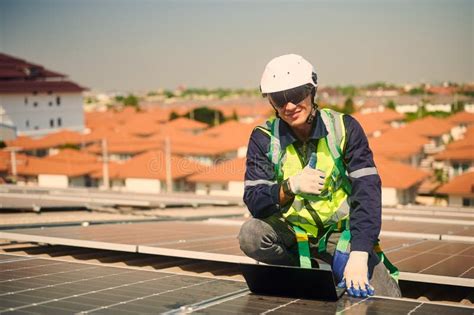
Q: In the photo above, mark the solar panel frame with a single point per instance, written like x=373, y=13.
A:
x=217, y=241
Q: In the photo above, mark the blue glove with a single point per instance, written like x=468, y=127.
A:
x=356, y=277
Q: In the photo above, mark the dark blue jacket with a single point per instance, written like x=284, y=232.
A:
x=262, y=196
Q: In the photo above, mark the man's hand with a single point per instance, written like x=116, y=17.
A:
x=356, y=275
x=309, y=180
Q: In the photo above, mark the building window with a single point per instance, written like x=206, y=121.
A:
x=58, y=100
x=35, y=104
x=26, y=100
x=467, y=202
x=27, y=123
x=60, y=122
x=50, y=103
x=51, y=123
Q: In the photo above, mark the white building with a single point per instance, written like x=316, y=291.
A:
x=400, y=182
x=459, y=190
x=224, y=179
x=36, y=101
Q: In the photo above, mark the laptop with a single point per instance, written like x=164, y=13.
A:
x=290, y=281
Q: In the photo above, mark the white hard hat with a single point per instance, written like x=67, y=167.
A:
x=287, y=72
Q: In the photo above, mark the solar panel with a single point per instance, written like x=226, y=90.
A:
x=217, y=241
x=257, y=304
x=49, y=286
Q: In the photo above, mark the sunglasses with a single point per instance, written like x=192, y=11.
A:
x=295, y=96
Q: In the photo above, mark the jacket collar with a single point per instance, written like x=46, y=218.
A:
x=287, y=136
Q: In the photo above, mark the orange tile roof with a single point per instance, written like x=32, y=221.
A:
x=74, y=156
x=459, y=185
x=259, y=110
x=125, y=146
x=379, y=121
x=442, y=90
x=184, y=143
x=114, y=170
x=461, y=117
x=140, y=124
x=185, y=124
x=397, y=144
x=460, y=150
x=463, y=154
x=387, y=116
x=36, y=166
x=232, y=170
x=51, y=140
x=230, y=135
x=152, y=165
x=466, y=142
x=398, y=175
x=429, y=127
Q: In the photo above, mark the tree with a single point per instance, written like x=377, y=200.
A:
x=349, y=90
x=130, y=100
x=391, y=104
x=173, y=115
x=207, y=115
x=234, y=115
x=458, y=106
x=348, y=106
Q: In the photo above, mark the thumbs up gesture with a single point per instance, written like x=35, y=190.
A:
x=309, y=180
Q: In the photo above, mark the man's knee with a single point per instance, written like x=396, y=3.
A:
x=255, y=234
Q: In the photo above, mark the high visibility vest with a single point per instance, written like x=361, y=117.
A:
x=315, y=214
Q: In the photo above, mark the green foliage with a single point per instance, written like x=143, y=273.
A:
x=234, y=116
x=349, y=90
x=119, y=98
x=173, y=115
x=416, y=91
x=131, y=100
x=422, y=112
x=219, y=93
x=391, y=104
x=348, y=106
x=458, y=106
x=380, y=85
x=468, y=93
x=151, y=93
x=168, y=94
x=69, y=146
x=207, y=115
x=440, y=176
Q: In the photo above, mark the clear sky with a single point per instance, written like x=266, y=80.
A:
x=141, y=45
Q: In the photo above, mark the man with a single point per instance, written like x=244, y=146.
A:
x=311, y=172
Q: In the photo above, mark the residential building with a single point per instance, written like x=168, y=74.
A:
x=147, y=173
x=35, y=101
x=458, y=157
x=224, y=179
x=460, y=190
x=400, y=182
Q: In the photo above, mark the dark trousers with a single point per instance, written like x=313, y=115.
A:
x=273, y=241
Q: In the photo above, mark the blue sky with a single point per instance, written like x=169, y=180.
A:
x=142, y=45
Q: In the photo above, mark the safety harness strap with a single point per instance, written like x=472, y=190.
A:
x=394, y=273
x=303, y=247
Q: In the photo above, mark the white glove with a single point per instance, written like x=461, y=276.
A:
x=308, y=181
x=356, y=274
